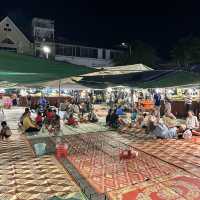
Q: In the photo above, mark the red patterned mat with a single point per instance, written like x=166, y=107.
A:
x=96, y=157
x=177, y=186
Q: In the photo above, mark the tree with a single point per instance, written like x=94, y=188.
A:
x=186, y=52
x=140, y=53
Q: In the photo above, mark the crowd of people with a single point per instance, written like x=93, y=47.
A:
x=140, y=118
x=49, y=118
x=150, y=121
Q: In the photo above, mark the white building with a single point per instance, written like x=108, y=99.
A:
x=88, y=56
x=12, y=38
x=43, y=34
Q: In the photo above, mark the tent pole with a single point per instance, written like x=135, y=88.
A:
x=59, y=91
x=59, y=87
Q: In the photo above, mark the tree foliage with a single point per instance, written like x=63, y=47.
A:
x=186, y=52
x=140, y=53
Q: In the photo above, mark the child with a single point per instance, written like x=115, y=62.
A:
x=92, y=117
x=5, y=131
x=134, y=116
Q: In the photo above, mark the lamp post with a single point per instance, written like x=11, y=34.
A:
x=128, y=46
x=47, y=51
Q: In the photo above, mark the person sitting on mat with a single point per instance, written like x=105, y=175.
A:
x=55, y=121
x=22, y=117
x=134, y=116
x=72, y=121
x=161, y=131
x=28, y=124
x=49, y=117
x=114, y=120
x=119, y=111
x=92, y=117
x=192, y=121
x=5, y=131
x=39, y=120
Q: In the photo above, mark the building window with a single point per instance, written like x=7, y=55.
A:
x=7, y=41
x=7, y=29
x=7, y=25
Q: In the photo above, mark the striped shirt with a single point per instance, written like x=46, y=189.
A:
x=188, y=100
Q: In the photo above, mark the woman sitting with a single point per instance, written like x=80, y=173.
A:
x=72, y=121
x=39, y=120
x=92, y=117
x=114, y=120
x=161, y=131
x=55, y=123
x=119, y=111
x=49, y=117
x=22, y=117
x=29, y=125
x=169, y=120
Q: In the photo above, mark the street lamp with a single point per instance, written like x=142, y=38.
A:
x=46, y=50
x=128, y=46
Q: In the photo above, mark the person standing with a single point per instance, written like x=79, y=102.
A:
x=42, y=102
x=188, y=102
x=29, y=100
x=157, y=104
x=168, y=107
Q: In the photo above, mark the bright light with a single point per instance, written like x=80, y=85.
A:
x=127, y=90
x=46, y=49
x=123, y=44
x=190, y=91
x=109, y=89
x=23, y=92
x=157, y=90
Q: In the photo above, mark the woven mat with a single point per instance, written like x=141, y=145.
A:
x=22, y=176
x=179, y=185
x=37, y=178
x=96, y=157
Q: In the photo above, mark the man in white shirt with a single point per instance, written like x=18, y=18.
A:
x=192, y=122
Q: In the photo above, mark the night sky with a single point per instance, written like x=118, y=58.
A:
x=107, y=23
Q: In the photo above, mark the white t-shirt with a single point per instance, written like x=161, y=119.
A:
x=192, y=122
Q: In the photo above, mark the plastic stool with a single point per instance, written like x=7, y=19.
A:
x=61, y=151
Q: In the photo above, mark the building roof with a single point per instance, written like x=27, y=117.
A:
x=23, y=24
x=145, y=79
x=126, y=69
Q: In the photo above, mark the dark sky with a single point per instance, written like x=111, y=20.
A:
x=107, y=23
